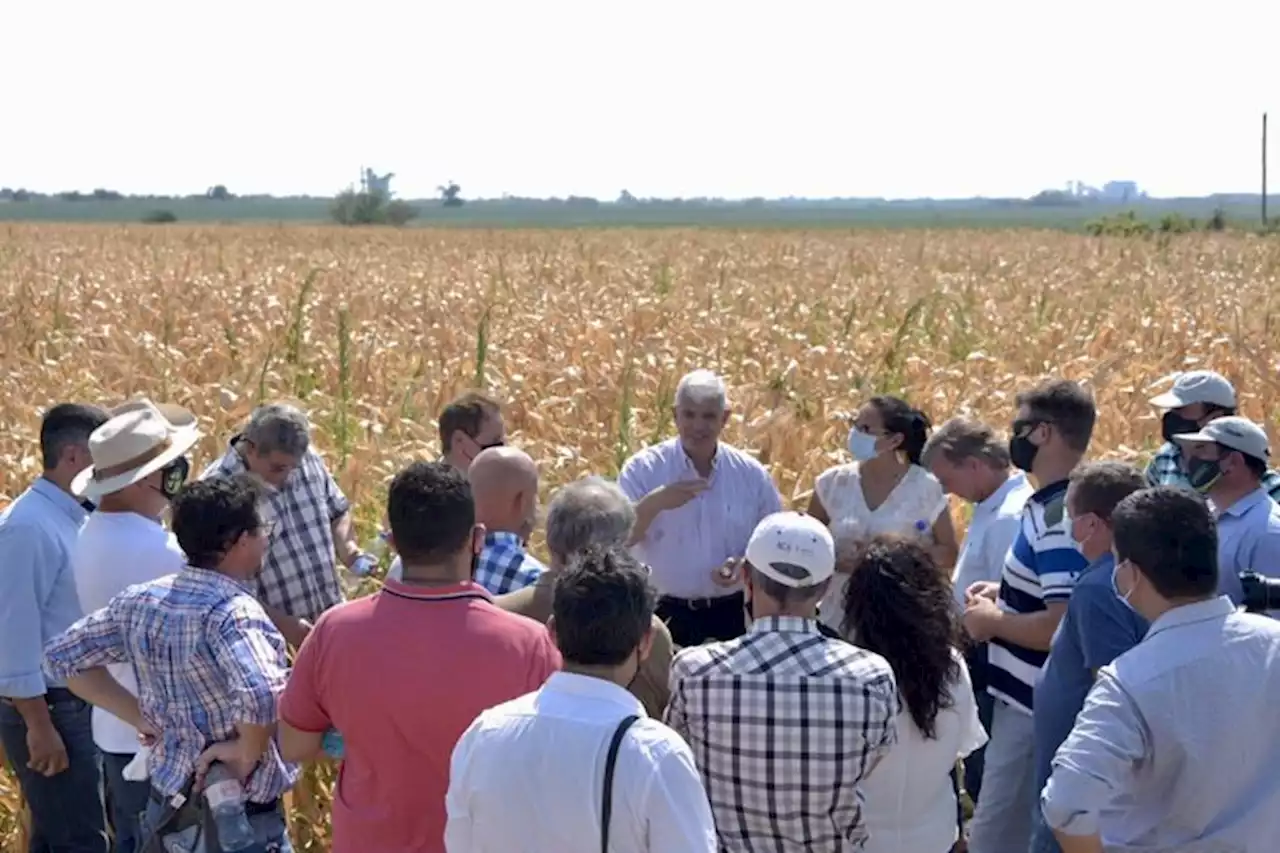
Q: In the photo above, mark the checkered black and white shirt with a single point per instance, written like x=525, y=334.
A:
x=784, y=723
x=299, y=575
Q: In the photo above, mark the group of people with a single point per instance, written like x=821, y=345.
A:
x=691, y=668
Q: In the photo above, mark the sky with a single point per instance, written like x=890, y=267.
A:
x=664, y=98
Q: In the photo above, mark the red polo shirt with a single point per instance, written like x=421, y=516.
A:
x=401, y=674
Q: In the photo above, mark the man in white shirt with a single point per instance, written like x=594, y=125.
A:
x=1179, y=740
x=577, y=766
x=698, y=500
x=972, y=463
x=139, y=463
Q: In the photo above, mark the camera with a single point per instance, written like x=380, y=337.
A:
x=1261, y=593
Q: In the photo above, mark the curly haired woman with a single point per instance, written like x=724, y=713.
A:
x=898, y=605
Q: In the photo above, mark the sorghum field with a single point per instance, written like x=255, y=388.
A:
x=585, y=334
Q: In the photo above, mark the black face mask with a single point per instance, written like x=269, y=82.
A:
x=1203, y=474
x=1022, y=451
x=173, y=476
x=1175, y=424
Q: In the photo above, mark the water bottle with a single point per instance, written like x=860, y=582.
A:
x=332, y=743
x=225, y=796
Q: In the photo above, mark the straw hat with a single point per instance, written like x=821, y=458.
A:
x=139, y=439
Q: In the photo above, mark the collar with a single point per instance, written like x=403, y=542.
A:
x=1190, y=614
x=1244, y=504
x=1105, y=563
x=452, y=592
x=784, y=625
x=504, y=538
x=215, y=578
x=688, y=460
x=1050, y=491
x=50, y=491
x=992, y=501
x=589, y=687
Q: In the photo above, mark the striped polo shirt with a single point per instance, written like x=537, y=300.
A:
x=1041, y=568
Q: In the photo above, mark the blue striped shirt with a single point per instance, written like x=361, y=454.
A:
x=1040, y=569
x=206, y=658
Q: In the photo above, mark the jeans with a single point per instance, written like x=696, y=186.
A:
x=67, y=813
x=973, y=762
x=128, y=800
x=1002, y=821
x=271, y=829
x=1042, y=837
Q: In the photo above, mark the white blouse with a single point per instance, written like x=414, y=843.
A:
x=909, y=510
x=908, y=802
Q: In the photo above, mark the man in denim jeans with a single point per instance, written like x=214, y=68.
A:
x=210, y=664
x=46, y=729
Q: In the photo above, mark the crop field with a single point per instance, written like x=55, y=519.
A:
x=585, y=334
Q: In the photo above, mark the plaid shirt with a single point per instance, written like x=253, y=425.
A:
x=206, y=658
x=299, y=575
x=1165, y=469
x=504, y=565
x=784, y=723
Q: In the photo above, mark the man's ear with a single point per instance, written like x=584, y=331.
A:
x=646, y=642
x=477, y=538
x=724, y=416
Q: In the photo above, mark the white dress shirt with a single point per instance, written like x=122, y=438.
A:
x=683, y=546
x=908, y=800
x=116, y=550
x=990, y=534
x=1178, y=745
x=529, y=775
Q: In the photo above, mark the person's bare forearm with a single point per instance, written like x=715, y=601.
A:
x=1028, y=630
x=1079, y=843
x=255, y=738
x=645, y=514
x=295, y=630
x=34, y=711
x=97, y=687
x=344, y=539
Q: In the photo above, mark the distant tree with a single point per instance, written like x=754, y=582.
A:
x=72, y=195
x=158, y=217
x=399, y=212
x=450, y=195
x=1053, y=198
x=625, y=197
x=369, y=208
x=106, y=195
x=21, y=194
x=218, y=192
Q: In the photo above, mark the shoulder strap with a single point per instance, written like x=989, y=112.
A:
x=610, y=763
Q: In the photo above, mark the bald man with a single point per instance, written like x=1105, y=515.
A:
x=504, y=486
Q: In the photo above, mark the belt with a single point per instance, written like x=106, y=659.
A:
x=250, y=807
x=51, y=695
x=705, y=603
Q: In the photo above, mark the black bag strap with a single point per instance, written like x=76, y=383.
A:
x=610, y=764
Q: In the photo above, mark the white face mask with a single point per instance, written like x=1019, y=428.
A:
x=862, y=445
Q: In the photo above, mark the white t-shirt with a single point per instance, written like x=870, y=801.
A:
x=908, y=802
x=116, y=550
x=909, y=510
x=991, y=532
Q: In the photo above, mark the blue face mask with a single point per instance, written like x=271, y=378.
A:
x=1115, y=586
x=862, y=445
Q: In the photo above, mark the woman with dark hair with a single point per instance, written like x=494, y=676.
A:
x=884, y=490
x=898, y=605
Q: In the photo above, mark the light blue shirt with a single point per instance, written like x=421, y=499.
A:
x=38, y=597
x=1248, y=538
x=1178, y=743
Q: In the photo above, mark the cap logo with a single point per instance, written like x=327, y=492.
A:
x=791, y=570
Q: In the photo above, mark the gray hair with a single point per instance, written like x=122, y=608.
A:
x=960, y=439
x=592, y=511
x=702, y=386
x=279, y=428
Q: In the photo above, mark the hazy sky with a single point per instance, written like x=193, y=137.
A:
x=679, y=98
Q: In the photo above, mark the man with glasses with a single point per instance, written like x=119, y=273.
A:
x=1018, y=616
x=139, y=464
x=210, y=664
x=312, y=517
x=470, y=424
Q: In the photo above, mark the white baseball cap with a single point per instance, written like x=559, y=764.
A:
x=1197, y=386
x=1234, y=432
x=793, y=549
